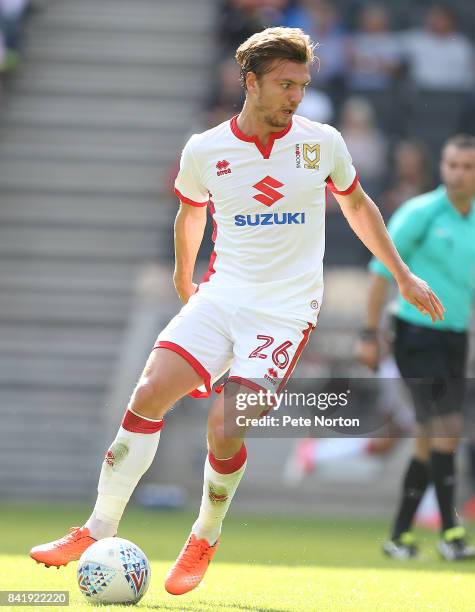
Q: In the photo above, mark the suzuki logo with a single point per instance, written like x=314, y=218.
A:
x=269, y=193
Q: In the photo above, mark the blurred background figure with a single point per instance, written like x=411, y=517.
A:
x=317, y=106
x=12, y=13
x=239, y=19
x=226, y=96
x=374, y=51
x=322, y=21
x=411, y=175
x=440, y=57
x=366, y=142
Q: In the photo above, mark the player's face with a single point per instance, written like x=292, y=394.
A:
x=276, y=95
x=458, y=171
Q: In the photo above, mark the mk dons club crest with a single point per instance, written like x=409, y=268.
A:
x=310, y=154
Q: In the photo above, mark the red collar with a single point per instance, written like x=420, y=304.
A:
x=265, y=150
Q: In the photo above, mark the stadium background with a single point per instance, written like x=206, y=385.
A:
x=98, y=98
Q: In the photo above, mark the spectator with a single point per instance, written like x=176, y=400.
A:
x=317, y=106
x=374, y=51
x=439, y=56
x=411, y=176
x=322, y=22
x=366, y=143
x=239, y=19
x=227, y=95
x=11, y=18
x=467, y=114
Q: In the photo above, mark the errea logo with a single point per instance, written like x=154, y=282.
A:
x=222, y=167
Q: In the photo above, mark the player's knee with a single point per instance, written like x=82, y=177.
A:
x=216, y=426
x=223, y=440
x=145, y=399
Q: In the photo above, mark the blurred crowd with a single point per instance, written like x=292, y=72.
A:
x=396, y=83
x=12, y=16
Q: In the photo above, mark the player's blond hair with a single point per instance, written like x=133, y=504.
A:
x=257, y=52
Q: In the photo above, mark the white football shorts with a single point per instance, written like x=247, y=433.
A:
x=258, y=347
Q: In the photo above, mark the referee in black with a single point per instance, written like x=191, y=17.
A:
x=435, y=235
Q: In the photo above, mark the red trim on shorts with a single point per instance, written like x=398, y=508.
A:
x=137, y=424
x=212, y=259
x=228, y=466
x=351, y=188
x=254, y=387
x=246, y=383
x=188, y=201
x=298, y=352
x=264, y=150
x=195, y=364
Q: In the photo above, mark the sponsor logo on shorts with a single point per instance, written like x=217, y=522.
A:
x=283, y=218
x=272, y=375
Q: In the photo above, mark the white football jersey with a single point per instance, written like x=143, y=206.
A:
x=268, y=208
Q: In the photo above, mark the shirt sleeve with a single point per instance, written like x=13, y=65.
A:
x=343, y=178
x=188, y=184
x=407, y=228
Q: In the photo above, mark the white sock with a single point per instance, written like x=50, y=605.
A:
x=128, y=458
x=218, y=491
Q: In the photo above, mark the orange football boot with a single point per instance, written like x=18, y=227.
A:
x=66, y=549
x=191, y=566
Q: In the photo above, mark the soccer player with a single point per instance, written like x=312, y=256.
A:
x=263, y=175
x=435, y=235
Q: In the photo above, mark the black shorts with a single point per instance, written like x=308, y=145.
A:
x=432, y=363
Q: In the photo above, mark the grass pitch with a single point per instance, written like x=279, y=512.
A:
x=264, y=563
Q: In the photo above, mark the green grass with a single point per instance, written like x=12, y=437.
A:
x=264, y=563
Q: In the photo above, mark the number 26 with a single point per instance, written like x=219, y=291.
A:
x=280, y=355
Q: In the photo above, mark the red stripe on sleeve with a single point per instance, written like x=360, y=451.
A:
x=188, y=201
x=351, y=188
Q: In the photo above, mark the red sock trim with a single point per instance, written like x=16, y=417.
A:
x=136, y=424
x=228, y=466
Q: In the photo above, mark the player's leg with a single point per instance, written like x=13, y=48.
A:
x=469, y=506
x=224, y=464
x=446, y=431
x=166, y=378
x=413, y=354
x=414, y=485
x=453, y=543
x=226, y=460
x=223, y=470
x=183, y=358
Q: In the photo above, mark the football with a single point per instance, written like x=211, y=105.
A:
x=113, y=571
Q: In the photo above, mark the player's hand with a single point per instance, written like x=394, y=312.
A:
x=185, y=290
x=368, y=352
x=418, y=293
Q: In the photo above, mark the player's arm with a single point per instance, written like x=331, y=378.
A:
x=190, y=221
x=190, y=225
x=368, y=348
x=366, y=221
